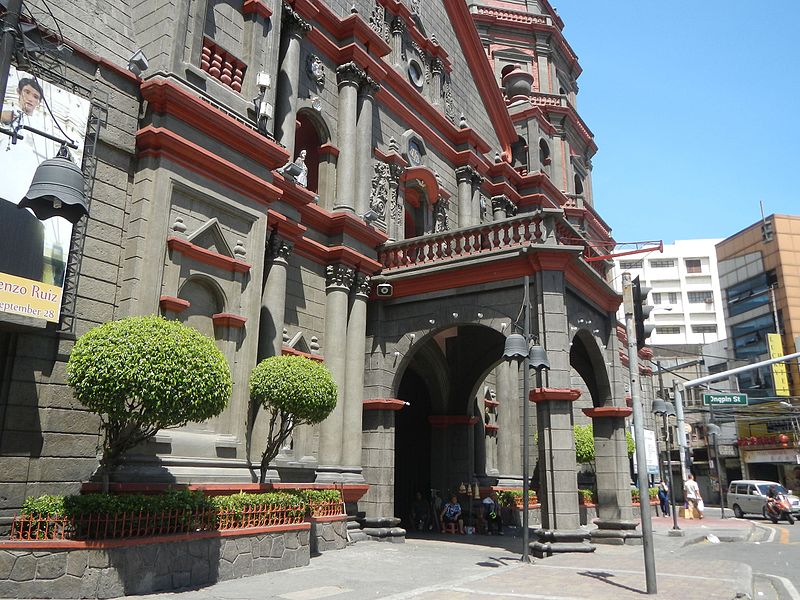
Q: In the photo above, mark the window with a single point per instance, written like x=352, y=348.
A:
x=668, y=330
x=748, y=294
x=750, y=337
x=657, y=297
x=704, y=329
x=693, y=265
x=630, y=264
x=663, y=263
x=700, y=297
x=673, y=297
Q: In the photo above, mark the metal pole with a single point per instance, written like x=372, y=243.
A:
x=661, y=395
x=526, y=392
x=681, y=427
x=7, y=44
x=638, y=434
x=669, y=473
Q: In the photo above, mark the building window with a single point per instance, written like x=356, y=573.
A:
x=693, y=265
x=748, y=294
x=673, y=297
x=630, y=264
x=662, y=263
x=657, y=297
x=668, y=330
x=750, y=337
x=700, y=297
x=704, y=329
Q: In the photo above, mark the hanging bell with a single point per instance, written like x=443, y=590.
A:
x=516, y=347
x=538, y=358
x=57, y=191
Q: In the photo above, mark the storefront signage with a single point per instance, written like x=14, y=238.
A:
x=775, y=345
x=710, y=399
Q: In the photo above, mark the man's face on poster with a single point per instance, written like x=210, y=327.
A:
x=29, y=99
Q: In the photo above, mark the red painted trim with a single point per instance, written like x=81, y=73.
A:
x=485, y=80
x=335, y=224
x=447, y=420
x=326, y=255
x=331, y=519
x=607, y=412
x=645, y=353
x=208, y=257
x=258, y=7
x=353, y=26
x=167, y=97
x=228, y=320
x=288, y=350
x=384, y=404
x=424, y=174
x=328, y=149
x=549, y=394
x=401, y=10
x=393, y=157
x=492, y=428
x=144, y=541
x=286, y=228
x=490, y=403
x=159, y=142
x=173, y=304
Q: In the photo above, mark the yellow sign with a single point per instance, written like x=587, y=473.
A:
x=778, y=369
x=29, y=298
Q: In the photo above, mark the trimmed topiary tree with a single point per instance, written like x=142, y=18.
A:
x=143, y=374
x=296, y=391
x=584, y=444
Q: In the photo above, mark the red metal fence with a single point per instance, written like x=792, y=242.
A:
x=143, y=524
x=332, y=508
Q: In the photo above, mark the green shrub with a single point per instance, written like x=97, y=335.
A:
x=587, y=495
x=319, y=496
x=651, y=492
x=143, y=374
x=295, y=390
x=584, y=443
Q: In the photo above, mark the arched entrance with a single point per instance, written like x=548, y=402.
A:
x=439, y=436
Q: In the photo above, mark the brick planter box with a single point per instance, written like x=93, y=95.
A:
x=109, y=569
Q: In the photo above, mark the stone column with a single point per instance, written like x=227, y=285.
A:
x=349, y=77
x=398, y=28
x=559, y=167
x=354, y=379
x=289, y=78
x=366, y=100
x=339, y=280
x=508, y=439
x=464, y=176
x=543, y=64
x=437, y=71
x=611, y=462
x=500, y=207
x=273, y=298
x=476, y=198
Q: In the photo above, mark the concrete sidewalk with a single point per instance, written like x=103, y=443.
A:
x=455, y=567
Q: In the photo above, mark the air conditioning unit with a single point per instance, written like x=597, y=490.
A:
x=709, y=301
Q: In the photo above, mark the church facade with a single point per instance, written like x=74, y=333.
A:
x=366, y=183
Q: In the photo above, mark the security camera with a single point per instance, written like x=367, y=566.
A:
x=384, y=290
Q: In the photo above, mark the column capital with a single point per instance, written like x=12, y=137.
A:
x=293, y=22
x=437, y=66
x=362, y=285
x=338, y=277
x=398, y=26
x=278, y=249
x=504, y=203
x=369, y=87
x=466, y=173
x=350, y=73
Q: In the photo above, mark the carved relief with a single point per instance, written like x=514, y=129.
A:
x=350, y=72
x=293, y=21
x=315, y=69
x=416, y=8
x=441, y=218
x=362, y=284
x=278, y=249
x=449, y=104
x=385, y=186
x=377, y=21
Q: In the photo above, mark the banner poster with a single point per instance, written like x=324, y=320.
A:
x=779, y=376
x=33, y=253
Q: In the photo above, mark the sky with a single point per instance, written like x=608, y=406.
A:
x=694, y=107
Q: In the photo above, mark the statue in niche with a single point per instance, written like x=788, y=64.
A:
x=440, y=216
x=300, y=162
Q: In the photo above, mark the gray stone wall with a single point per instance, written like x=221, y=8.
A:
x=147, y=568
x=378, y=462
x=327, y=535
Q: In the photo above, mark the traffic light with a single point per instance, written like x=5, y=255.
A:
x=641, y=310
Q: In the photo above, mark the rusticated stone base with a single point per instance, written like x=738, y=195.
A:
x=125, y=567
x=328, y=533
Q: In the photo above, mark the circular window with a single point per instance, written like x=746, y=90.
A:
x=414, y=153
x=415, y=72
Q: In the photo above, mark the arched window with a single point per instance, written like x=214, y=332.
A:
x=205, y=301
x=307, y=138
x=578, y=184
x=544, y=156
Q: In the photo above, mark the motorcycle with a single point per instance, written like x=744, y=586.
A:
x=778, y=508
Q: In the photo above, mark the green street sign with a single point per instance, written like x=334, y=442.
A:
x=724, y=399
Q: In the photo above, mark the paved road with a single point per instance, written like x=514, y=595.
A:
x=776, y=557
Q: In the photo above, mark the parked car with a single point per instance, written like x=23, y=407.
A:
x=749, y=496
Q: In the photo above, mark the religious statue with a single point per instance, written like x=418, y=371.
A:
x=300, y=161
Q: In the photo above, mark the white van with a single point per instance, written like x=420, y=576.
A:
x=748, y=496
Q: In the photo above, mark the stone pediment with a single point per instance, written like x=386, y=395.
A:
x=210, y=237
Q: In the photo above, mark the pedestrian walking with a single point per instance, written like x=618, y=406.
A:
x=693, y=497
x=663, y=497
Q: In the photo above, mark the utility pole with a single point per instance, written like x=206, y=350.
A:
x=680, y=425
x=8, y=44
x=638, y=433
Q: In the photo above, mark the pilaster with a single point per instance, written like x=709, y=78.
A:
x=349, y=77
x=288, y=77
x=366, y=101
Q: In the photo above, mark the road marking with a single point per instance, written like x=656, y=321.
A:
x=784, y=536
x=632, y=572
x=772, y=531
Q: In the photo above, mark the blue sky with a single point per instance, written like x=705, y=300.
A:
x=694, y=107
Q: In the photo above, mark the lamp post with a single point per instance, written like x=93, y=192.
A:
x=518, y=347
x=665, y=410
x=714, y=430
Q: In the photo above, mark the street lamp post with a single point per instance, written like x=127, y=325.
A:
x=665, y=410
x=518, y=347
x=714, y=430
